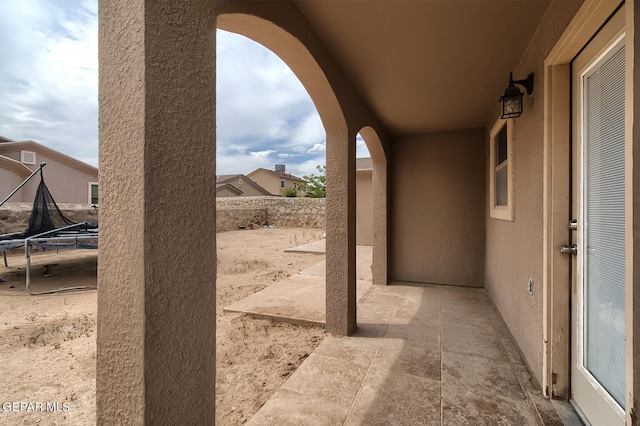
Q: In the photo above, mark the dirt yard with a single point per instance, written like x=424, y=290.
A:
x=48, y=342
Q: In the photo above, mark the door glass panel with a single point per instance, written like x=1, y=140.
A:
x=604, y=227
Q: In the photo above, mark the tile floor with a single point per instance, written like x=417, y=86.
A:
x=422, y=355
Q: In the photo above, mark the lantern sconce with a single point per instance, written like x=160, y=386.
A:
x=512, y=99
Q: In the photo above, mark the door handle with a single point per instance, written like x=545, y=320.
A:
x=572, y=249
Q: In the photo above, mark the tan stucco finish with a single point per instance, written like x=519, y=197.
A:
x=364, y=208
x=67, y=178
x=437, y=208
x=156, y=297
x=515, y=249
x=271, y=181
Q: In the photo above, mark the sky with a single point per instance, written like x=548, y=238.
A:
x=49, y=90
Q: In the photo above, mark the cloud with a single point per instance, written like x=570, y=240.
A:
x=361, y=147
x=318, y=148
x=262, y=107
x=49, y=82
x=49, y=74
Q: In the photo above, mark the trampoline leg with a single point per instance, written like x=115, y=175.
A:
x=27, y=252
x=4, y=256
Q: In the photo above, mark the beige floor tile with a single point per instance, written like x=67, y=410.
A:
x=486, y=374
x=327, y=379
x=464, y=342
x=417, y=335
x=400, y=357
x=357, y=350
x=417, y=315
x=287, y=408
x=388, y=398
x=464, y=307
x=451, y=324
x=466, y=405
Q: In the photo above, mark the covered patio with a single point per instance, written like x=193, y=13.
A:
x=471, y=207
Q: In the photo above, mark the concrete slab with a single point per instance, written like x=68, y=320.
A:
x=314, y=247
x=363, y=265
x=301, y=298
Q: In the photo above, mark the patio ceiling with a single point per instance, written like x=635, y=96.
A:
x=426, y=65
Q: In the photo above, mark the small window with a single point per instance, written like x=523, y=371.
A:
x=93, y=193
x=282, y=183
x=28, y=157
x=501, y=170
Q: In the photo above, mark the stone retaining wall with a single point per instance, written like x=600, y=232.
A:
x=280, y=211
x=14, y=217
x=233, y=213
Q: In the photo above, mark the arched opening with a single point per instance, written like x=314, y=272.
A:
x=264, y=114
x=158, y=86
x=266, y=124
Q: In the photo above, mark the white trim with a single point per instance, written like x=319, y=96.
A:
x=90, y=192
x=28, y=157
x=557, y=101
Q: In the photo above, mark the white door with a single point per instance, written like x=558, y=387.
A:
x=598, y=203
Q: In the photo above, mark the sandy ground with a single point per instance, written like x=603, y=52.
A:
x=48, y=342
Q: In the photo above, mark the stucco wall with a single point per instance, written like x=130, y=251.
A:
x=514, y=250
x=67, y=185
x=8, y=182
x=437, y=208
x=364, y=208
x=271, y=182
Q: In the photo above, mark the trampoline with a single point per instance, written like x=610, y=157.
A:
x=48, y=228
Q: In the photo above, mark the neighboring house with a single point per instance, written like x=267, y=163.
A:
x=539, y=210
x=237, y=186
x=276, y=181
x=68, y=179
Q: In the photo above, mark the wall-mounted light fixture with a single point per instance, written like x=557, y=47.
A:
x=512, y=99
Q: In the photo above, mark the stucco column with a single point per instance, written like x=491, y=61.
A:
x=379, y=265
x=341, y=233
x=157, y=267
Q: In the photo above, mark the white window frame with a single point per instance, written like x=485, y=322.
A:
x=90, y=194
x=502, y=212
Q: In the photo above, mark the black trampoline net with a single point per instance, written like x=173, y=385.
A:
x=45, y=215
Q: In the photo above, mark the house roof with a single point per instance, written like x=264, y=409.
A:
x=228, y=186
x=428, y=66
x=279, y=175
x=222, y=180
x=8, y=146
x=15, y=166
